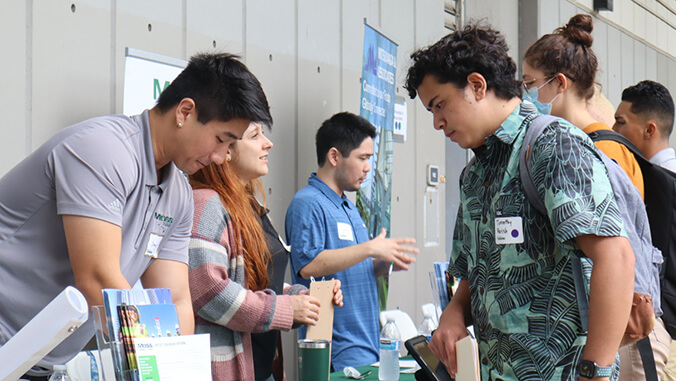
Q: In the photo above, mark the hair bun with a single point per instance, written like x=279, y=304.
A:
x=579, y=29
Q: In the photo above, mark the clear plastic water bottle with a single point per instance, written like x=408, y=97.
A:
x=427, y=326
x=390, y=344
x=59, y=374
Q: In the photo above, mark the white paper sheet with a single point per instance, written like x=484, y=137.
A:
x=176, y=358
x=61, y=317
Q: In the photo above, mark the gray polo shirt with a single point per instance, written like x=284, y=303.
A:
x=102, y=168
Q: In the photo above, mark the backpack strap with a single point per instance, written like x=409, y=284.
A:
x=646, y=352
x=537, y=126
x=535, y=129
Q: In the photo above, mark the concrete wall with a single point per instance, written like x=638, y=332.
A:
x=64, y=62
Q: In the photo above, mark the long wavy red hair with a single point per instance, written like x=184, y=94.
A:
x=240, y=202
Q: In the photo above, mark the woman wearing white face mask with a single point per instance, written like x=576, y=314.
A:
x=558, y=77
x=237, y=267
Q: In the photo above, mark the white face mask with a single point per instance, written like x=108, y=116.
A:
x=532, y=96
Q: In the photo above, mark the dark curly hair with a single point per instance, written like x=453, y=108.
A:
x=474, y=49
x=654, y=100
x=568, y=51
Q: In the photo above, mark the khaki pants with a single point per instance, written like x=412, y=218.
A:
x=671, y=364
x=631, y=366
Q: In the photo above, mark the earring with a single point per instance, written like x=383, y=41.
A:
x=180, y=125
x=228, y=158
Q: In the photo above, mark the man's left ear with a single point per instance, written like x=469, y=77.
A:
x=183, y=109
x=650, y=130
x=478, y=86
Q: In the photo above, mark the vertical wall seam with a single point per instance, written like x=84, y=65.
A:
x=28, y=111
x=184, y=30
x=416, y=208
x=244, y=34
x=341, y=88
x=295, y=130
x=113, y=57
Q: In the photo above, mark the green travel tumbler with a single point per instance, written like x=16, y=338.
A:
x=313, y=360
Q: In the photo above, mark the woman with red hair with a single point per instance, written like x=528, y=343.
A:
x=237, y=267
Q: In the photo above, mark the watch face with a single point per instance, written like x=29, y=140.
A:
x=587, y=369
x=590, y=369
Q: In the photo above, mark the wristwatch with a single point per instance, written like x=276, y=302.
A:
x=590, y=369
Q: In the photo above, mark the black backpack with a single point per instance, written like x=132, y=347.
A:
x=660, y=198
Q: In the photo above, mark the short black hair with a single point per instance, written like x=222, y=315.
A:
x=222, y=87
x=654, y=100
x=345, y=131
x=474, y=49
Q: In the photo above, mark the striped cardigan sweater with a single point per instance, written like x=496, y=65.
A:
x=224, y=306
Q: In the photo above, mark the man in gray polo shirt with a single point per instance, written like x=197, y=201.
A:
x=104, y=203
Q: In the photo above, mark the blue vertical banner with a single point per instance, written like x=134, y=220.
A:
x=379, y=67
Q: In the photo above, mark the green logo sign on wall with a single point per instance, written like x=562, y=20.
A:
x=157, y=89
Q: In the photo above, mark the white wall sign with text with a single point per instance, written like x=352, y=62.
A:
x=145, y=76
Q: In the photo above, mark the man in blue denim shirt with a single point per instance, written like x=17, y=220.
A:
x=329, y=238
x=517, y=286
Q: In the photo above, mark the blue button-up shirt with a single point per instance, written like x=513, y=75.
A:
x=319, y=219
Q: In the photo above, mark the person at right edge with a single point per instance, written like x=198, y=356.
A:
x=559, y=70
x=520, y=296
x=646, y=117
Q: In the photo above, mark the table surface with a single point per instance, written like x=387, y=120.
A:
x=374, y=373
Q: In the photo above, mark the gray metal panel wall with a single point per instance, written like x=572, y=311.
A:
x=60, y=37
x=15, y=21
x=67, y=64
x=271, y=56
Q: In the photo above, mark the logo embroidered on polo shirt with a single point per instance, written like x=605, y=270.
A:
x=116, y=205
x=164, y=220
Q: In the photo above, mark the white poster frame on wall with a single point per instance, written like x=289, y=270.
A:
x=146, y=74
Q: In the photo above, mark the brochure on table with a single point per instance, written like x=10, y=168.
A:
x=174, y=358
x=148, y=345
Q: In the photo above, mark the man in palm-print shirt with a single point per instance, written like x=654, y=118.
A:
x=517, y=286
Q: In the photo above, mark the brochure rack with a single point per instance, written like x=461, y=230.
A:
x=111, y=344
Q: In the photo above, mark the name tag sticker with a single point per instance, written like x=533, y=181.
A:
x=345, y=232
x=508, y=230
x=153, y=243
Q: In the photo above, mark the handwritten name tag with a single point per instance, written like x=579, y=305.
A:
x=508, y=230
